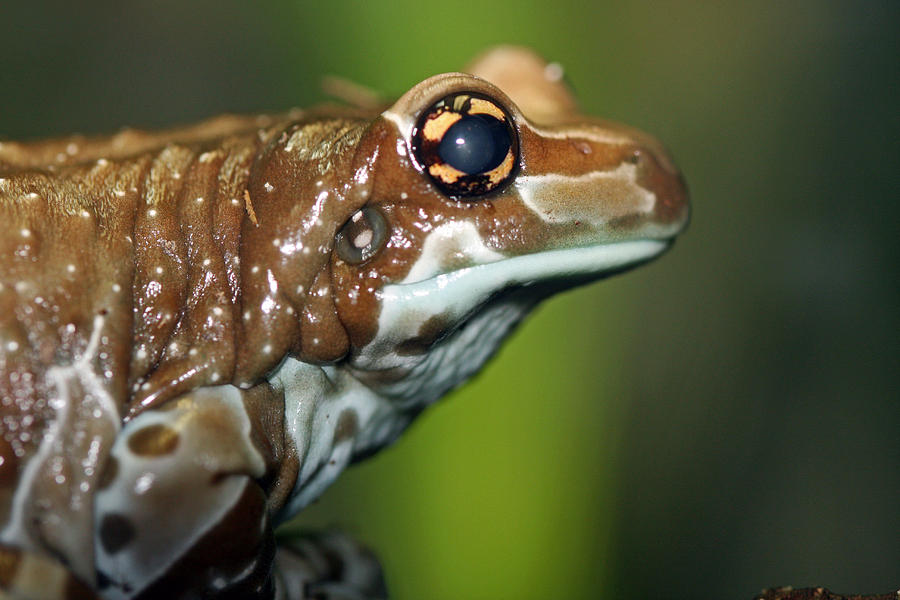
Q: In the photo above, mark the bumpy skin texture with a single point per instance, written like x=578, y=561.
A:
x=186, y=360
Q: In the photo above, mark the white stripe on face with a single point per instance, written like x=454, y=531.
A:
x=593, y=198
x=452, y=242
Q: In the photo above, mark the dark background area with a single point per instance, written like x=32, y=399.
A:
x=725, y=419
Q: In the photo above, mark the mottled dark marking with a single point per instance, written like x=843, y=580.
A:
x=153, y=440
x=347, y=426
x=116, y=532
x=9, y=565
x=430, y=332
x=75, y=589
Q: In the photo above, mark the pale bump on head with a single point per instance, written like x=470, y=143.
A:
x=537, y=87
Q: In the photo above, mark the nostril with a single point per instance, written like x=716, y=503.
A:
x=582, y=146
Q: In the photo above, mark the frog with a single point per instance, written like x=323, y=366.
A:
x=202, y=327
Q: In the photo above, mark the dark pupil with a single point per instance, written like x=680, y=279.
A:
x=475, y=144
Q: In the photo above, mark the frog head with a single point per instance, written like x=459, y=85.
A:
x=436, y=226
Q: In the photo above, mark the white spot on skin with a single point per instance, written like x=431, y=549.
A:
x=159, y=270
x=85, y=214
x=268, y=305
x=192, y=352
x=554, y=72
x=151, y=213
x=217, y=311
x=25, y=232
x=300, y=289
x=267, y=349
x=404, y=195
x=255, y=269
x=12, y=346
x=291, y=247
x=143, y=483
x=206, y=262
x=102, y=162
x=70, y=268
x=199, y=199
x=268, y=186
x=116, y=288
x=141, y=354
x=215, y=377
x=72, y=149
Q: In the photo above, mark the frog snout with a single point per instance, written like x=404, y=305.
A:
x=657, y=174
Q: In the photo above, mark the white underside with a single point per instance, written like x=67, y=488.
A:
x=407, y=306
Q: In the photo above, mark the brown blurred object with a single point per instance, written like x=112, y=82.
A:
x=819, y=593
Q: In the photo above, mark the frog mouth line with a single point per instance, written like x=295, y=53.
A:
x=476, y=283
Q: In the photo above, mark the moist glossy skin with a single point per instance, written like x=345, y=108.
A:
x=188, y=359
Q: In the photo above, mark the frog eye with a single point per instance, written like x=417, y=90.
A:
x=467, y=144
x=361, y=236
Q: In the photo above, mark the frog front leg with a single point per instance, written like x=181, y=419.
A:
x=182, y=508
x=185, y=505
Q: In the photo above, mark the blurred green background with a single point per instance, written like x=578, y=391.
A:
x=725, y=419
